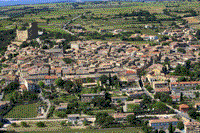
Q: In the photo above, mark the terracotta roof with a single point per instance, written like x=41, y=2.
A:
x=130, y=72
x=121, y=115
x=162, y=89
x=183, y=106
x=192, y=82
x=175, y=97
x=192, y=123
x=163, y=120
x=50, y=77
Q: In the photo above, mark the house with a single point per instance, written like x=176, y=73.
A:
x=89, y=97
x=149, y=37
x=30, y=85
x=175, y=98
x=135, y=94
x=89, y=85
x=163, y=123
x=80, y=118
x=192, y=127
x=184, y=85
x=184, y=107
x=61, y=106
x=160, y=84
x=49, y=80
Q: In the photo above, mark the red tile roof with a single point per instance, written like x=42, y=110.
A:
x=192, y=82
x=50, y=77
x=183, y=106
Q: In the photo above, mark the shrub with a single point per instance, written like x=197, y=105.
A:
x=24, y=124
x=40, y=124
x=63, y=123
x=1, y=124
x=14, y=124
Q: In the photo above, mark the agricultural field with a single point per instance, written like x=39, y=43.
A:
x=55, y=126
x=23, y=111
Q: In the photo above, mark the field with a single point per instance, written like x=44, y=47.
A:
x=23, y=111
x=56, y=127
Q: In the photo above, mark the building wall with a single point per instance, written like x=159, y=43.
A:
x=163, y=125
x=22, y=35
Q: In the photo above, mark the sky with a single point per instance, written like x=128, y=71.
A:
x=15, y=2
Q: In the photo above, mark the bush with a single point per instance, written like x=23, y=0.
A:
x=14, y=124
x=24, y=124
x=63, y=123
x=1, y=124
x=40, y=124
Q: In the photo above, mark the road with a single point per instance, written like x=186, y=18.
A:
x=182, y=114
x=64, y=27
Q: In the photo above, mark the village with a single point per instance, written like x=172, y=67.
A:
x=105, y=84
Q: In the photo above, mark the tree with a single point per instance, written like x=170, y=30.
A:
x=40, y=124
x=1, y=124
x=197, y=34
x=24, y=124
x=196, y=94
x=14, y=124
x=103, y=79
x=180, y=125
x=68, y=85
x=41, y=84
x=101, y=118
x=131, y=119
x=161, y=131
x=159, y=106
x=63, y=123
x=11, y=87
x=59, y=82
x=171, y=128
x=74, y=5
x=181, y=50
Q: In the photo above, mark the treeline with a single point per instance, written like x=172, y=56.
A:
x=6, y=36
x=191, y=11
x=191, y=70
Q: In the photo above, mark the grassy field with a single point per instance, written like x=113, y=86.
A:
x=108, y=10
x=56, y=127
x=23, y=111
x=7, y=97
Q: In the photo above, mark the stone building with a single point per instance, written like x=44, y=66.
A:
x=31, y=32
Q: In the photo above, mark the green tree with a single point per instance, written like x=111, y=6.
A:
x=59, y=82
x=40, y=124
x=11, y=87
x=41, y=84
x=171, y=128
x=103, y=79
x=131, y=119
x=24, y=124
x=180, y=125
x=101, y=118
x=197, y=34
x=63, y=123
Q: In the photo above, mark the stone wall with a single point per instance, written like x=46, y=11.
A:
x=22, y=35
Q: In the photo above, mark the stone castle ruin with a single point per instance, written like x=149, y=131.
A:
x=31, y=32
